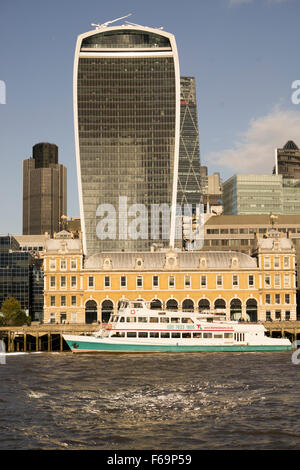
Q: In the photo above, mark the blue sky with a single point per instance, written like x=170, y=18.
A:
x=244, y=55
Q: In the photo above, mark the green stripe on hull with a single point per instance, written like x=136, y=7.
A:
x=83, y=346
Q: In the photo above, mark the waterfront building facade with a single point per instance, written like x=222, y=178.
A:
x=44, y=191
x=259, y=287
x=127, y=126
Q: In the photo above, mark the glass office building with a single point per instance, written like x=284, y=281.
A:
x=126, y=119
x=21, y=277
x=189, y=183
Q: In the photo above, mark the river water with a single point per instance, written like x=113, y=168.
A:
x=192, y=401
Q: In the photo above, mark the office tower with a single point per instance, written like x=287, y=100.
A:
x=211, y=189
x=287, y=161
x=126, y=119
x=189, y=183
x=44, y=191
x=21, y=277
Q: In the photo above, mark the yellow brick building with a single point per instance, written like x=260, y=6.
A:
x=256, y=288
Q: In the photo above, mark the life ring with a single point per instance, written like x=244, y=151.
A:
x=132, y=311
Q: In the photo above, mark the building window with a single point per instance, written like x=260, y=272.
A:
x=63, y=264
x=63, y=281
x=251, y=280
x=52, y=281
x=267, y=263
x=277, y=280
x=52, y=301
x=267, y=280
x=73, y=281
x=171, y=281
x=123, y=281
x=203, y=281
x=276, y=262
x=52, y=264
x=73, y=300
x=219, y=280
x=268, y=315
x=90, y=282
x=106, y=281
x=268, y=298
x=52, y=317
x=277, y=314
x=155, y=281
x=73, y=263
x=277, y=298
x=187, y=281
x=235, y=280
x=139, y=281
x=287, y=315
x=287, y=280
x=287, y=298
x=63, y=301
x=286, y=261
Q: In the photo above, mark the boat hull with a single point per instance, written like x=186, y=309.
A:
x=84, y=345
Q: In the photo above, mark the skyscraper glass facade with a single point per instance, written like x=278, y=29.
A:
x=126, y=107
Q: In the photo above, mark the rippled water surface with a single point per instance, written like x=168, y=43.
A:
x=163, y=401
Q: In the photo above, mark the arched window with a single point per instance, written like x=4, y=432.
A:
x=235, y=309
x=188, y=305
x=172, y=304
x=107, y=308
x=251, y=309
x=203, y=304
x=90, y=311
x=220, y=303
x=155, y=304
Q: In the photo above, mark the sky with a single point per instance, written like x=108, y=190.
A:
x=244, y=55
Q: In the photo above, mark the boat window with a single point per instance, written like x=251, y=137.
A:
x=153, y=319
x=143, y=334
x=175, y=335
x=219, y=335
x=165, y=335
x=142, y=319
x=164, y=320
x=175, y=320
x=118, y=334
x=239, y=336
x=137, y=305
x=131, y=319
x=154, y=334
x=131, y=334
x=122, y=319
x=197, y=335
x=116, y=318
x=186, y=320
x=186, y=335
x=228, y=335
x=207, y=335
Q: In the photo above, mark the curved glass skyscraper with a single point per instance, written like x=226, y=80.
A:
x=127, y=125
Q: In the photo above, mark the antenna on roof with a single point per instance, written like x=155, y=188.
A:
x=134, y=24
x=104, y=25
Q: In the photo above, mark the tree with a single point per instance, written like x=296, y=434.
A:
x=13, y=315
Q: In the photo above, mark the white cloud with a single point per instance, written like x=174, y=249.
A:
x=254, y=150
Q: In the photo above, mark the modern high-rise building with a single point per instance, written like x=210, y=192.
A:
x=127, y=127
x=189, y=183
x=44, y=191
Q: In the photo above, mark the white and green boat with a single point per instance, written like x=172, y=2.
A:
x=136, y=328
